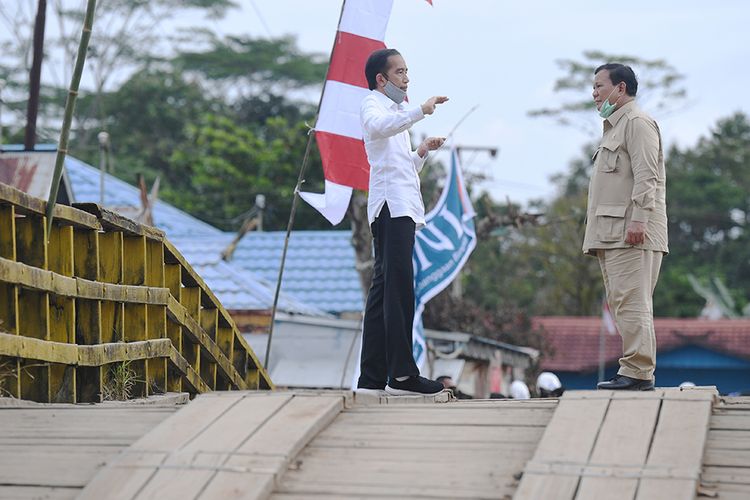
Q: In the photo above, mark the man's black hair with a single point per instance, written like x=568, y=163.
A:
x=621, y=73
x=378, y=63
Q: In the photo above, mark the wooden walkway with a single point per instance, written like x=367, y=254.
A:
x=53, y=451
x=313, y=445
x=462, y=449
x=726, y=461
x=621, y=445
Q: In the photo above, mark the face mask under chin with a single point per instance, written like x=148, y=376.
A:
x=394, y=93
x=607, y=109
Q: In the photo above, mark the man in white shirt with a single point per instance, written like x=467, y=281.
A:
x=395, y=210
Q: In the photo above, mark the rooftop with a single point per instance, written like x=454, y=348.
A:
x=574, y=341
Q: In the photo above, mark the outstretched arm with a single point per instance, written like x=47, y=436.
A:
x=379, y=123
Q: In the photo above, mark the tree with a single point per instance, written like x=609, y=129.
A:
x=222, y=166
x=131, y=32
x=242, y=67
x=537, y=266
x=147, y=121
x=659, y=89
x=708, y=207
x=169, y=104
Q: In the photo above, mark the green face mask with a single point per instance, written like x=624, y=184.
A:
x=607, y=109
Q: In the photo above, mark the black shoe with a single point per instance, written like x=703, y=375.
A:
x=625, y=383
x=414, y=386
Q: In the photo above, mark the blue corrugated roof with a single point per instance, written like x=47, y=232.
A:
x=235, y=286
x=319, y=270
x=84, y=183
x=238, y=288
x=320, y=266
x=319, y=274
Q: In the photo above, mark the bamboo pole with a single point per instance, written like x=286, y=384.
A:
x=70, y=104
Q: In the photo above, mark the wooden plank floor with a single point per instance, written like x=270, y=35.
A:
x=53, y=451
x=621, y=445
x=726, y=461
x=313, y=445
x=462, y=449
x=221, y=446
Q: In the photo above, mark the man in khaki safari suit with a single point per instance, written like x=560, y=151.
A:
x=626, y=220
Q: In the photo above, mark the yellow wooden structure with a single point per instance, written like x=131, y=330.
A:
x=104, y=291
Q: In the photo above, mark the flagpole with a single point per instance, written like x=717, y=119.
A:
x=602, y=341
x=300, y=180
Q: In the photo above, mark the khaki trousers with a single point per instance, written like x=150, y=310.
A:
x=630, y=276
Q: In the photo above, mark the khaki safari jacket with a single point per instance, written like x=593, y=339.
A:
x=628, y=183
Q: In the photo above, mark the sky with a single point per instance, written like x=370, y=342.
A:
x=501, y=55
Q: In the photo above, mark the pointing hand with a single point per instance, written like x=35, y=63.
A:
x=429, y=105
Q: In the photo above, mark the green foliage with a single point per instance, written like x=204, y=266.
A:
x=708, y=205
x=146, y=118
x=121, y=381
x=247, y=64
x=540, y=269
x=223, y=165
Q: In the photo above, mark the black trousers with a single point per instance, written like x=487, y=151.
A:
x=389, y=313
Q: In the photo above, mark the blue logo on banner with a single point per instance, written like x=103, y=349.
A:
x=441, y=248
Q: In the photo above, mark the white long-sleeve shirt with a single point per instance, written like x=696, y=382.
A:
x=394, y=167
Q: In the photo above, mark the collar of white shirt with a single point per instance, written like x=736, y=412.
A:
x=386, y=101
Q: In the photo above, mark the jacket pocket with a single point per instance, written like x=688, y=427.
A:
x=610, y=223
x=607, y=155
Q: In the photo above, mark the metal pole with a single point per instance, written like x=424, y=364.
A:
x=2, y=87
x=602, y=343
x=301, y=177
x=300, y=180
x=35, y=76
x=260, y=203
x=103, y=146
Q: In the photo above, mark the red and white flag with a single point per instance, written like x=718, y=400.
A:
x=338, y=131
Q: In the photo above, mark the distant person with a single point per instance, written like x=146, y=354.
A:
x=626, y=220
x=519, y=390
x=449, y=384
x=548, y=385
x=395, y=211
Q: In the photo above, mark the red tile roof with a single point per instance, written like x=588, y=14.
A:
x=574, y=341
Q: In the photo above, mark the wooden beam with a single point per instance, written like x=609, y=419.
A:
x=193, y=330
x=16, y=346
x=40, y=280
x=26, y=204
x=115, y=222
x=190, y=277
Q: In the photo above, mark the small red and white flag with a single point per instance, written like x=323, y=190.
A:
x=338, y=131
x=608, y=322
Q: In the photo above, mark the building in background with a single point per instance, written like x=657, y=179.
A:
x=316, y=338
x=705, y=352
x=323, y=353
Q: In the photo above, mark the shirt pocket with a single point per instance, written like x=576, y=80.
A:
x=606, y=156
x=610, y=223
